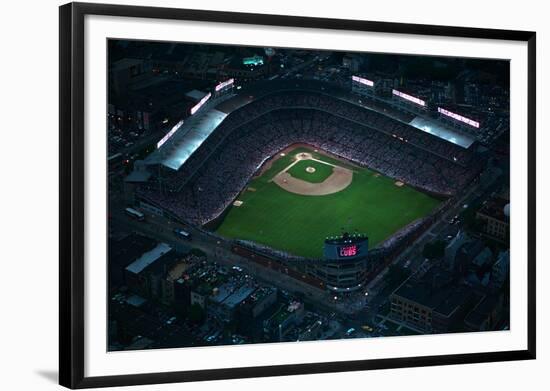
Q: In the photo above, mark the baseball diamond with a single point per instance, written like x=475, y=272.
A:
x=295, y=214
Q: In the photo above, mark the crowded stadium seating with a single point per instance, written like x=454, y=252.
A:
x=223, y=165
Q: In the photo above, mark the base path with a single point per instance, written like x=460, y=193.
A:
x=339, y=179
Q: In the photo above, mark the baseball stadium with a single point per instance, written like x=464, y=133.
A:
x=290, y=173
x=304, y=196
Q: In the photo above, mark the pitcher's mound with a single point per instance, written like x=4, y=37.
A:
x=399, y=184
x=311, y=170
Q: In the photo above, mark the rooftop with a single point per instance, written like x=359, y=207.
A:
x=139, y=174
x=222, y=292
x=430, y=291
x=187, y=139
x=136, y=301
x=260, y=293
x=495, y=208
x=481, y=311
x=284, y=312
x=238, y=296
x=452, y=302
x=196, y=95
x=125, y=251
x=148, y=258
x=125, y=63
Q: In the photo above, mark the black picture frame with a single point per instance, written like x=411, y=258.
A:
x=71, y=190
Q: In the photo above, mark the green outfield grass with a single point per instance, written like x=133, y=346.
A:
x=371, y=204
x=322, y=171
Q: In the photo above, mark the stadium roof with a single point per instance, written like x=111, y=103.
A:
x=196, y=129
x=196, y=94
x=437, y=129
x=148, y=258
x=139, y=174
x=187, y=139
x=136, y=301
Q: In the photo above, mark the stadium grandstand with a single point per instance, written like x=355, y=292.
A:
x=233, y=139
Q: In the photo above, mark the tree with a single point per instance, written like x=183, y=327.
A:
x=198, y=252
x=196, y=313
x=434, y=250
x=396, y=275
x=471, y=222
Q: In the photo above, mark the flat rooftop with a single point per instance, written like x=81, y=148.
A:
x=238, y=296
x=148, y=258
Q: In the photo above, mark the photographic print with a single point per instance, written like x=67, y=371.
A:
x=249, y=195
x=268, y=194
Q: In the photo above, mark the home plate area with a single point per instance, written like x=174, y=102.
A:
x=315, y=179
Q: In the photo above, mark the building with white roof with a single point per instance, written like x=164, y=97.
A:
x=148, y=258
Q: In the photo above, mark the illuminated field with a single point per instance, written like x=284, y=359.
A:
x=321, y=173
x=298, y=224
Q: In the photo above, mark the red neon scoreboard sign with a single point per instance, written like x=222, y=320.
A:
x=348, y=251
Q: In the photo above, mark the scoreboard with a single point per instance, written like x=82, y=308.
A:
x=346, y=246
x=347, y=251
